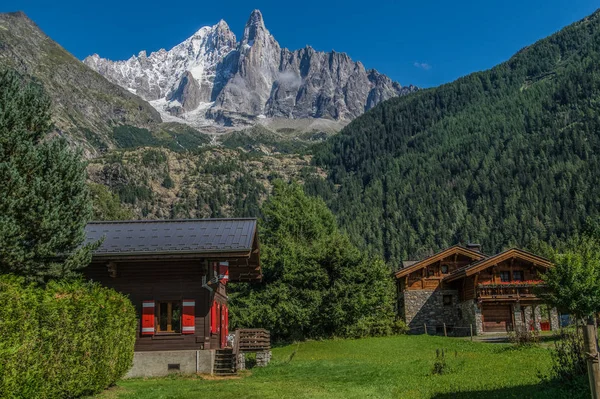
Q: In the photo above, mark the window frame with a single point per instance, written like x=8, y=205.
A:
x=446, y=302
x=442, y=267
x=169, y=319
x=505, y=273
x=520, y=273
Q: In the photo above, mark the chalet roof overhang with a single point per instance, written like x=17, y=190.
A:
x=456, y=249
x=494, y=260
x=234, y=240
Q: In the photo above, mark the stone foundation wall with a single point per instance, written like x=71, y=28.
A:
x=427, y=307
x=263, y=358
x=162, y=363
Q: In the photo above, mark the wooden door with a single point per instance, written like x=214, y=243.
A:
x=496, y=318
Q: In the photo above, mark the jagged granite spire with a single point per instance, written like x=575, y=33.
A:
x=212, y=76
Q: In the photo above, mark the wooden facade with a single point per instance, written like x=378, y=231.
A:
x=494, y=293
x=176, y=272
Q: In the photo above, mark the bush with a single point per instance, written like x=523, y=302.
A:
x=568, y=356
x=521, y=336
x=66, y=340
x=399, y=327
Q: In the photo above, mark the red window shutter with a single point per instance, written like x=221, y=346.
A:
x=219, y=313
x=148, y=317
x=213, y=318
x=226, y=322
x=188, y=319
x=224, y=272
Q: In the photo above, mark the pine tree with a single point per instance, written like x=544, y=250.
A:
x=44, y=201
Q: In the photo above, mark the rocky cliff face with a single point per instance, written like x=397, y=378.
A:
x=211, y=78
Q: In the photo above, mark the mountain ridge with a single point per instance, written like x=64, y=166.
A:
x=504, y=157
x=87, y=109
x=240, y=83
x=84, y=103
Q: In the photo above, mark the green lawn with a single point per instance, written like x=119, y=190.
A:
x=394, y=367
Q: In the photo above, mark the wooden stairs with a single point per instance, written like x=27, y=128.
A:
x=246, y=340
x=224, y=362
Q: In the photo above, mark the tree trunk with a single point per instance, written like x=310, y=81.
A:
x=591, y=346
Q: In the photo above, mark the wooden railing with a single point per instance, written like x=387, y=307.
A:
x=252, y=340
x=516, y=291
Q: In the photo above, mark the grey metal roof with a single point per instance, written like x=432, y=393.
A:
x=172, y=236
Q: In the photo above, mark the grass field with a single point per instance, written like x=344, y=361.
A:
x=393, y=367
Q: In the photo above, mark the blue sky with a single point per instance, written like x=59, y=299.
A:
x=424, y=42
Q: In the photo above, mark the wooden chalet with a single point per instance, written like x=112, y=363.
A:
x=460, y=287
x=175, y=272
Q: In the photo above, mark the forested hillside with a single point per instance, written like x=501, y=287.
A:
x=508, y=156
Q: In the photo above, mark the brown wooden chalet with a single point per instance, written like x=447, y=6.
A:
x=460, y=287
x=175, y=273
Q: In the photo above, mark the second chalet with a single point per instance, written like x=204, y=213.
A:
x=461, y=288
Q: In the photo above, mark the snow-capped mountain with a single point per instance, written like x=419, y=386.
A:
x=211, y=78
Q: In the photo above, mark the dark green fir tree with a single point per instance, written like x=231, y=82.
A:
x=44, y=201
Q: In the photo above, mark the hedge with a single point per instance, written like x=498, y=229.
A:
x=66, y=340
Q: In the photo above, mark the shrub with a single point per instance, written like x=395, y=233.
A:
x=400, y=327
x=66, y=340
x=521, y=336
x=568, y=356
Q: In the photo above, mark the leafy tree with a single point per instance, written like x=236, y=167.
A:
x=573, y=284
x=107, y=205
x=316, y=283
x=44, y=202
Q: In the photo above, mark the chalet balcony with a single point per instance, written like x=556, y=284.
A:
x=508, y=290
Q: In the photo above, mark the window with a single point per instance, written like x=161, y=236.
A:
x=447, y=300
x=444, y=269
x=505, y=277
x=430, y=273
x=518, y=275
x=169, y=317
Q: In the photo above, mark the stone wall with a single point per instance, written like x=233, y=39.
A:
x=427, y=307
x=516, y=309
x=263, y=358
x=554, y=322
x=470, y=315
x=528, y=313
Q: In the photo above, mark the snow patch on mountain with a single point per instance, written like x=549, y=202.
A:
x=210, y=79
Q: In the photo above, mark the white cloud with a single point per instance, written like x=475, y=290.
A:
x=289, y=79
x=422, y=65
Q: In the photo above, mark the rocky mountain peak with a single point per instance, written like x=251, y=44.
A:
x=255, y=23
x=210, y=77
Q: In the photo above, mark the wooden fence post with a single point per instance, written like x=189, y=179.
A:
x=591, y=345
x=425, y=328
x=445, y=334
x=471, y=325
